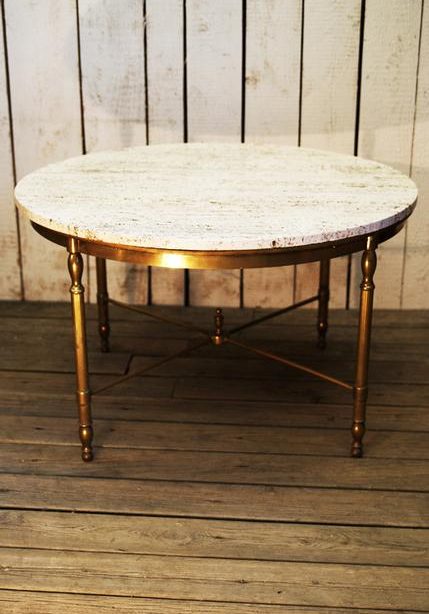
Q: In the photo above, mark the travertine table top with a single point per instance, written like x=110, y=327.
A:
x=216, y=196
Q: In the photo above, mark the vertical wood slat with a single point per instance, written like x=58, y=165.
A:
x=10, y=285
x=273, y=50
x=389, y=66
x=47, y=116
x=214, y=72
x=415, y=291
x=165, y=68
x=44, y=87
x=330, y=74
x=113, y=93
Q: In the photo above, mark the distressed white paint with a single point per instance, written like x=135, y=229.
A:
x=214, y=41
x=10, y=286
x=113, y=83
x=214, y=65
x=43, y=58
x=273, y=56
x=113, y=90
x=330, y=76
x=165, y=69
x=216, y=197
x=416, y=277
x=389, y=71
x=44, y=79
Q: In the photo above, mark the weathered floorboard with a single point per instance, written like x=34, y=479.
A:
x=51, y=603
x=273, y=503
x=221, y=483
x=238, y=580
x=213, y=538
x=224, y=467
x=217, y=438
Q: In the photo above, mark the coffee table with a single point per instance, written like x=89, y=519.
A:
x=218, y=206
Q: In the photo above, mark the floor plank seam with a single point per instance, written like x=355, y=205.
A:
x=222, y=483
x=287, y=525
x=279, y=561
x=212, y=518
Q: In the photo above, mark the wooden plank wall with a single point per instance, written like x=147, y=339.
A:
x=81, y=75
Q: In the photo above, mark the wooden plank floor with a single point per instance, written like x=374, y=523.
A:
x=221, y=483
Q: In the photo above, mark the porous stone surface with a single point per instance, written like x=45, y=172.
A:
x=214, y=197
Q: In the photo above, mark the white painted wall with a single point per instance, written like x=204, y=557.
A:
x=79, y=75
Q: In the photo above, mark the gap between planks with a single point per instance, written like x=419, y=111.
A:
x=212, y=467
x=51, y=530
x=211, y=500
x=265, y=582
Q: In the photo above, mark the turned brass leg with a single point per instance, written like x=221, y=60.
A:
x=322, y=315
x=75, y=265
x=103, y=304
x=360, y=389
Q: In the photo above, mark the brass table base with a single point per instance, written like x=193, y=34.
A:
x=219, y=337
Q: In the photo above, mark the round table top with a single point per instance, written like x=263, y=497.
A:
x=211, y=197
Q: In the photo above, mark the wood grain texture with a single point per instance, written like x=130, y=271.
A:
x=10, y=285
x=190, y=498
x=49, y=118
x=23, y=384
x=229, y=366
x=165, y=68
x=383, y=318
x=389, y=69
x=214, y=73
x=222, y=438
x=389, y=417
x=113, y=83
x=273, y=41
x=329, y=87
x=213, y=538
x=386, y=128
x=238, y=581
x=46, y=118
x=294, y=391
x=214, y=500
x=330, y=73
x=214, y=50
x=50, y=603
x=415, y=290
x=284, y=468
x=113, y=95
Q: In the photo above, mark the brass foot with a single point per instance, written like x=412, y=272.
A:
x=86, y=435
x=358, y=431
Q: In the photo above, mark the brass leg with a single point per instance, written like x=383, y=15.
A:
x=103, y=304
x=360, y=389
x=75, y=265
x=322, y=315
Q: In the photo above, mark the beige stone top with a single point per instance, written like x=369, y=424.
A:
x=216, y=196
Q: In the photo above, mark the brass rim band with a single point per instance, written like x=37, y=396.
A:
x=221, y=259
